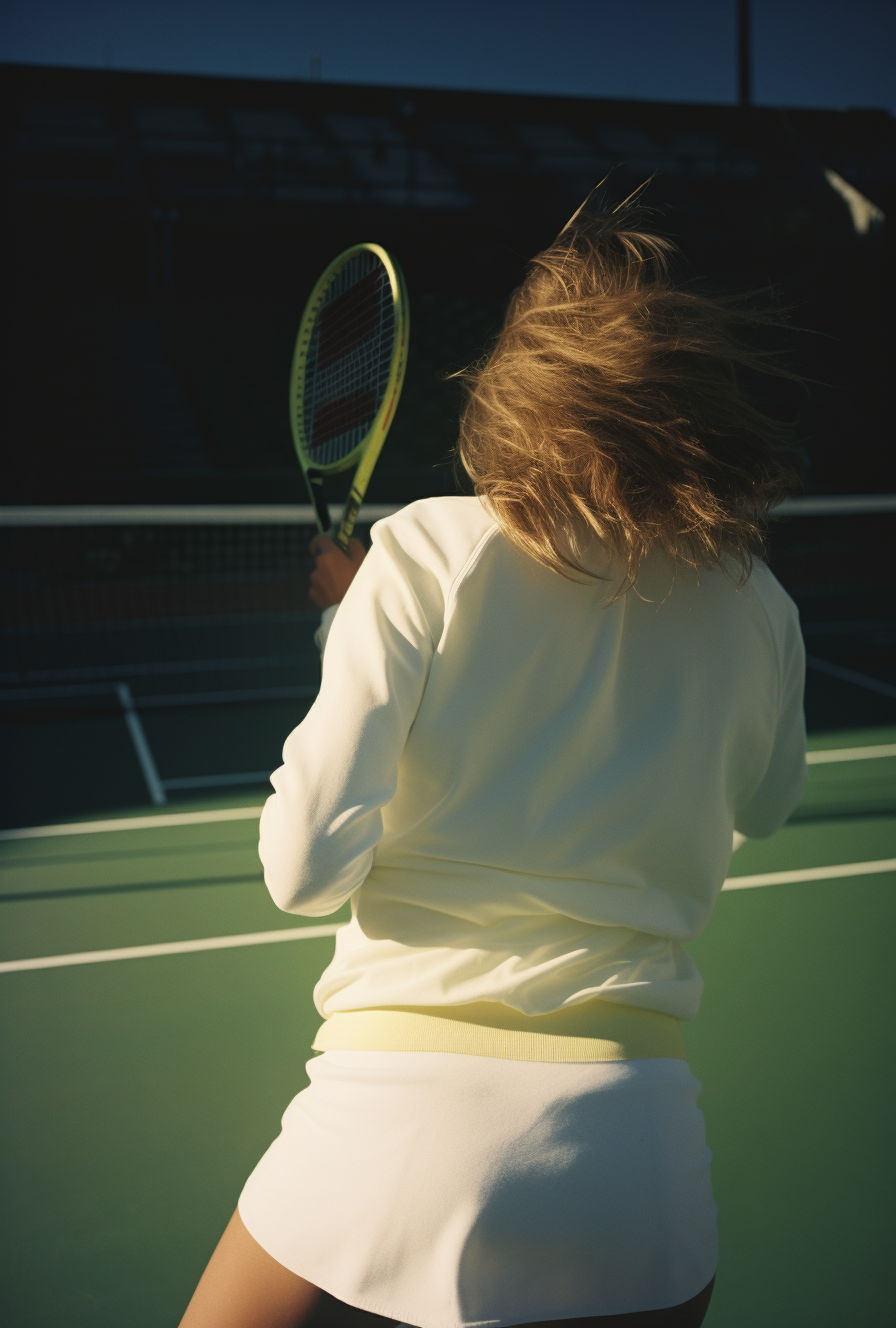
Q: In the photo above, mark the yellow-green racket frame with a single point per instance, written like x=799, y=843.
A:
x=365, y=455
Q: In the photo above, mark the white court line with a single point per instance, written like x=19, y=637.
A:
x=330, y=928
x=134, y=823
x=851, y=753
x=811, y=874
x=142, y=749
x=173, y=947
x=247, y=813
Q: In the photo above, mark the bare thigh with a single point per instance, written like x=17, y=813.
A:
x=244, y=1287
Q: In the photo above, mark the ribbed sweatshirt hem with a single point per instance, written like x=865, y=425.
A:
x=592, y=1031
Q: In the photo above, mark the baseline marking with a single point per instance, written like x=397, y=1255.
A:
x=811, y=874
x=850, y=753
x=134, y=823
x=330, y=928
x=173, y=948
x=247, y=813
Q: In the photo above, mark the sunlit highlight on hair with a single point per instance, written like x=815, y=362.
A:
x=612, y=405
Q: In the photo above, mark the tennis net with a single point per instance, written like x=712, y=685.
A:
x=188, y=606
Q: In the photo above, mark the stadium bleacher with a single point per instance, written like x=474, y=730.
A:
x=190, y=215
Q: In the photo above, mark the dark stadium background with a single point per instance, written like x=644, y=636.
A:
x=163, y=231
x=175, y=177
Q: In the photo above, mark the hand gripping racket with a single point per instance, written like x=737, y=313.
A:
x=347, y=373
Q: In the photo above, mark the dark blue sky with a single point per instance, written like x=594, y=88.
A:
x=806, y=52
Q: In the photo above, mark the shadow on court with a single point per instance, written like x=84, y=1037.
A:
x=139, y=1091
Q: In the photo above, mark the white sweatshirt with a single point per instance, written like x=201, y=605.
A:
x=527, y=793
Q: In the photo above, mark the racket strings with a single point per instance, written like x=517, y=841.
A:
x=358, y=310
x=337, y=395
x=358, y=348
x=349, y=360
x=340, y=415
x=348, y=319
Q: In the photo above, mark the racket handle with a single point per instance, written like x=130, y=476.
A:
x=315, y=486
x=349, y=517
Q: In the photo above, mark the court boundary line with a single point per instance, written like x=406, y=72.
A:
x=839, y=871
x=832, y=754
x=824, y=756
x=133, y=823
x=142, y=750
x=172, y=948
x=835, y=872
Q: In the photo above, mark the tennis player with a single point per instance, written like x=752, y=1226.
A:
x=545, y=712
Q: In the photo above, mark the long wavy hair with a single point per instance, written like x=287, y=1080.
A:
x=613, y=405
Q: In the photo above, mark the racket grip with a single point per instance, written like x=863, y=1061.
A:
x=315, y=488
x=349, y=517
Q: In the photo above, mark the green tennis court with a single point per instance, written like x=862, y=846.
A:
x=141, y=1088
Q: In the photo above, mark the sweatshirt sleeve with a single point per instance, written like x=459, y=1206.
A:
x=782, y=784
x=320, y=827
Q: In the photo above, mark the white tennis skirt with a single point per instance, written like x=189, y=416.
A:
x=447, y=1190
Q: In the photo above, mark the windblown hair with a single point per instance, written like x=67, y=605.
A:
x=613, y=404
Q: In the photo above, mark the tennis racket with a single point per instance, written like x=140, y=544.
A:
x=347, y=374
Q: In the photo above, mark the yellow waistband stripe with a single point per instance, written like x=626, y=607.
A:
x=593, y=1031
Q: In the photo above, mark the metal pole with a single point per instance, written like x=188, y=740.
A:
x=744, y=53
